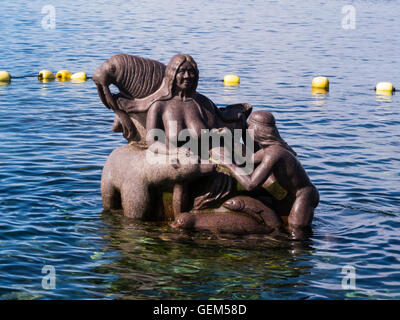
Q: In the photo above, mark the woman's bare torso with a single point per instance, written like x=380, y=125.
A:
x=177, y=114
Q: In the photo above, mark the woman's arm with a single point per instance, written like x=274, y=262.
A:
x=154, y=129
x=156, y=137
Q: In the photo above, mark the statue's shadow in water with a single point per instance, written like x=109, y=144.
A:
x=157, y=261
x=122, y=226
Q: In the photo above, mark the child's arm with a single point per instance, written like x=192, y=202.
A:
x=258, y=156
x=256, y=179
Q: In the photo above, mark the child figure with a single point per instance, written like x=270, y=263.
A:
x=300, y=197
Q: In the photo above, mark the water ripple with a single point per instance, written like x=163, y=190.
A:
x=56, y=138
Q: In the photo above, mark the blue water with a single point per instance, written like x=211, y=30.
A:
x=55, y=139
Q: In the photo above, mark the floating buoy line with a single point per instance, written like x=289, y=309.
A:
x=319, y=84
x=46, y=76
x=65, y=75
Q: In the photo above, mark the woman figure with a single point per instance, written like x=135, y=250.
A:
x=177, y=100
x=179, y=106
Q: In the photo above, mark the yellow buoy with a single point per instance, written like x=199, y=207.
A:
x=384, y=87
x=79, y=76
x=231, y=79
x=320, y=83
x=63, y=75
x=46, y=76
x=5, y=77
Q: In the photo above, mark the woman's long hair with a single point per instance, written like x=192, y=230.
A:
x=168, y=84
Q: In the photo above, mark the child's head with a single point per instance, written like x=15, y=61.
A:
x=265, y=131
x=263, y=124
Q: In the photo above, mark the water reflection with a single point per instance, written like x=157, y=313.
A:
x=3, y=88
x=230, y=94
x=44, y=88
x=319, y=96
x=156, y=261
x=349, y=147
x=46, y=80
x=384, y=96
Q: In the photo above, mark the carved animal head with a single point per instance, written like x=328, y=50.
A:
x=134, y=76
x=184, y=220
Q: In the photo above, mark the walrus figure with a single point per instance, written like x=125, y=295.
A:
x=135, y=78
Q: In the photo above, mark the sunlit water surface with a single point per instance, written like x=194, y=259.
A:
x=55, y=139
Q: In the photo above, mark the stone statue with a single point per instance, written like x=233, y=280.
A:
x=278, y=158
x=136, y=79
x=131, y=182
x=194, y=194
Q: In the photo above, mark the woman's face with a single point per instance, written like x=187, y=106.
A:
x=186, y=76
